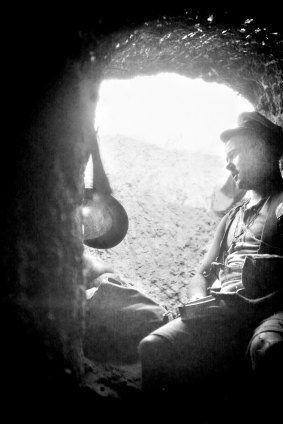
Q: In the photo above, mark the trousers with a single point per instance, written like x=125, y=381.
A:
x=200, y=349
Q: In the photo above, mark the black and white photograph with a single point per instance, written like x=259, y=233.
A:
x=142, y=217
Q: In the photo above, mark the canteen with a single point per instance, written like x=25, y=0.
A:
x=105, y=221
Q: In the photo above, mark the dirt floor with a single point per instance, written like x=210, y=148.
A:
x=167, y=195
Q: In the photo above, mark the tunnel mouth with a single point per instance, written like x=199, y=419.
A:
x=244, y=56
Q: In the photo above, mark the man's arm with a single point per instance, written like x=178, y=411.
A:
x=198, y=285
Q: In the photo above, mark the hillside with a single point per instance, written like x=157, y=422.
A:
x=167, y=195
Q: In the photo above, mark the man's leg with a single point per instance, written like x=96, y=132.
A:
x=265, y=368
x=266, y=350
x=156, y=356
x=184, y=355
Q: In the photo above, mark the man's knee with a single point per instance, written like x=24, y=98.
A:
x=266, y=353
x=155, y=353
x=152, y=346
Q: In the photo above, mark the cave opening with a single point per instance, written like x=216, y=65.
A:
x=159, y=143
x=215, y=56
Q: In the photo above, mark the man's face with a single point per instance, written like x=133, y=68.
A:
x=249, y=161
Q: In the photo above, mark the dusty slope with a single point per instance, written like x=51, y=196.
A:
x=167, y=196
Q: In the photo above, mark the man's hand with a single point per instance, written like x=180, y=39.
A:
x=197, y=288
x=93, y=267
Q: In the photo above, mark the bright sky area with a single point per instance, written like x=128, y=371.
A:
x=168, y=110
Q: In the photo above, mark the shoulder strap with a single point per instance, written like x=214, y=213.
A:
x=233, y=212
x=271, y=237
x=230, y=217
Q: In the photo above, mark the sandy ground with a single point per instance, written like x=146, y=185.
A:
x=167, y=196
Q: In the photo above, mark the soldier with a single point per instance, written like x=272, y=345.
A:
x=244, y=323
